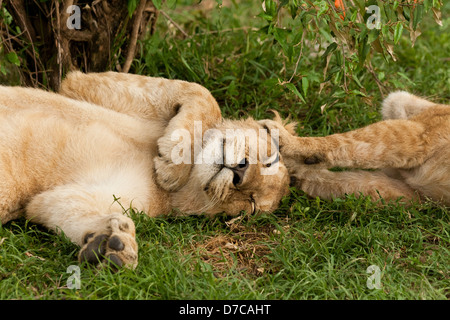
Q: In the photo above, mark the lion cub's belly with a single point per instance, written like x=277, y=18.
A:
x=39, y=151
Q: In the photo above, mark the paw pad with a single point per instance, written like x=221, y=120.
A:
x=115, y=248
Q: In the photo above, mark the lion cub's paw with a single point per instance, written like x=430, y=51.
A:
x=284, y=135
x=171, y=176
x=285, y=138
x=290, y=147
x=114, y=246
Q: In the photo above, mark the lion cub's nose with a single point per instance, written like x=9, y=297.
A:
x=239, y=171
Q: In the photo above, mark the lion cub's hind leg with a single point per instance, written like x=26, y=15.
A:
x=328, y=185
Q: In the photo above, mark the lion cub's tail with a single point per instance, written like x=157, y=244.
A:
x=403, y=105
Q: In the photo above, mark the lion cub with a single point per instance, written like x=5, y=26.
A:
x=410, y=149
x=70, y=161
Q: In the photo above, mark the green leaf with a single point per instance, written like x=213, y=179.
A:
x=131, y=6
x=322, y=7
x=271, y=7
x=157, y=3
x=385, y=30
x=294, y=90
x=437, y=4
x=363, y=51
x=418, y=14
x=355, y=78
x=357, y=92
x=171, y=4
x=194, y=74
x=281, y=36
x=332, y=71
x=398, y=32
x=395, y=5
x=404, y=76
x=329, y=49
x=305, y=85
x=13, y=58
x=6, y=16
x=373, y=35
x=265, y=16
x=390, y=13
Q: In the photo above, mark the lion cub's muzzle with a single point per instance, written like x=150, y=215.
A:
x=239, y=172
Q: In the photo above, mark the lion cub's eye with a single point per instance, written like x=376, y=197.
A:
x=272, y=160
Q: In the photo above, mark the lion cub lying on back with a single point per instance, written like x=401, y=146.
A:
x=64, y=161
x=411, y=147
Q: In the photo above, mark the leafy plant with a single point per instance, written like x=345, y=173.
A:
x=350, y=32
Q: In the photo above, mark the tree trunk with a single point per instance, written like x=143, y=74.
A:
x=54, y=37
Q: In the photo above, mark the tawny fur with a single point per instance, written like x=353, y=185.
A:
x=410, y=149
x=65, y=158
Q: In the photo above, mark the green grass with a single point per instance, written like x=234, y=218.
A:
x=309, y=248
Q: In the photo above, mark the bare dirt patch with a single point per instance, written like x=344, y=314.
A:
x=244, y=249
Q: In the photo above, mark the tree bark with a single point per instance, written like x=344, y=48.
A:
x=45, y=35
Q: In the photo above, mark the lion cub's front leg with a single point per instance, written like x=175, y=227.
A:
x=386, y=144
x=174, y=103
x=195, y=107
x=91, y=219
x=113, y=241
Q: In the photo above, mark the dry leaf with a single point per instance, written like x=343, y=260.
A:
x=437, y=16
x=33, y=256
x=414, y=35
x=390, y=50
x=230, y=245
x=232, y=221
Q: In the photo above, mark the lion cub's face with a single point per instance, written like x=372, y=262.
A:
x=238, y=169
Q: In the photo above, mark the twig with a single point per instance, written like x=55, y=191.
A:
x=58, y=43
x=299, y=56
x=245, y=28
x=359, y=17
x=19, y=8
x=343, y=69
x=296, y=64
x=176, y=25
x=105, y=6
x=379, y=84
x=134, y=36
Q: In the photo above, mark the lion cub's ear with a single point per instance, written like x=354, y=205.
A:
x=290, y=126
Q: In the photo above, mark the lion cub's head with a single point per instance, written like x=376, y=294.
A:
x=237, y=169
